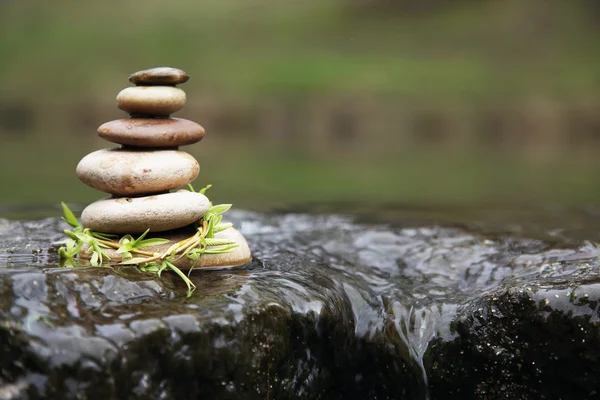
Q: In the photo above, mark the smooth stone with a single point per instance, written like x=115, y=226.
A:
x=152, y=132
x=158, y=213
x=240, y=256
x=159, y=101
x=128, y=172
x=159, y=76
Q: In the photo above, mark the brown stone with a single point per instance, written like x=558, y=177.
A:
x=240, y=256
x=159, y=76
x=152, y=132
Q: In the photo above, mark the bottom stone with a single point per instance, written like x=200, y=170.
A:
x=239, y=256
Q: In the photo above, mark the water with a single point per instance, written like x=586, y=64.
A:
x=332, y=306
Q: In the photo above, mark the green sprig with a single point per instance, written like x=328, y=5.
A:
x=129, y=244
x=69, y=217
x=202, y=242
x=201, y=191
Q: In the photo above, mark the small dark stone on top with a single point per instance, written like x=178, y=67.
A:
x=159, y=76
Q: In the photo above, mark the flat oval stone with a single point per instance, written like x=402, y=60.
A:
x=152, y=101
x=152, y=132
x=239, y=256
x=128, y=172
x=158, y=213
x=159, y=76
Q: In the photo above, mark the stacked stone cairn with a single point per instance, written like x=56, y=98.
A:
x=140, y=174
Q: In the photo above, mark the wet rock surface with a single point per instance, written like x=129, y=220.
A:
x=330, y=308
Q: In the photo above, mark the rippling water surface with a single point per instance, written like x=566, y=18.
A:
x=378, y=285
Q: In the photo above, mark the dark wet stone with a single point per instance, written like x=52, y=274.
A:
x=328, y=309
x=159, y=76
x=534, y=338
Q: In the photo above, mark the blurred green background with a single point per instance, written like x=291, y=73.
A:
x=398, y=101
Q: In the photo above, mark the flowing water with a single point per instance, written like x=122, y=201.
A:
x=333, y=305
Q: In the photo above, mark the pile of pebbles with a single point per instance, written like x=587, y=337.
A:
x=140, y=173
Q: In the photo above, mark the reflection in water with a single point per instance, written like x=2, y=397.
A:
x=217, y=282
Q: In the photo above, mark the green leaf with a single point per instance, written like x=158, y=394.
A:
x=62, y=254
x=69, y=245
x=101, y=254
x=84, y=238
x=94, y=259
x=219, y=209
x=69, y=217
x=211, y=225
x=221, y=227
x=219, y=242
x=68, y=263
x=126, y=256
x=126, y=239
x=152, y=242
x=162, y=267
x=194, y=254
x=70, y=250
x=190, y=285
x=128, y=243
x=125, y=243
x=142, y=236
x=125, y=248
x=204, y=189
x=221, y=250
x=150, y=267
x=70, y=234
x=191, y=187
x=192, y=248
x=103, y=236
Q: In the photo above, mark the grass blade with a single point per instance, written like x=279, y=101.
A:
x=151, y=242
x=190, y=285
x=69, y=217
x=137, y=241
x=219, y=208
x=204, y=189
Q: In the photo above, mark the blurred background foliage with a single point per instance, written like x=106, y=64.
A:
x=398, y=101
